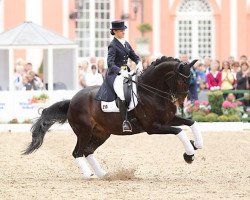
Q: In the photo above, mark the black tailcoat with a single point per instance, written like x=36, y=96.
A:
x=117, y=56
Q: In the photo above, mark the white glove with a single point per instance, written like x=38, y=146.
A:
x=124, y=73
x=139, y=66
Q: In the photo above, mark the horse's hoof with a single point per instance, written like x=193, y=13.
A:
x=192, y=142
x=188, y=158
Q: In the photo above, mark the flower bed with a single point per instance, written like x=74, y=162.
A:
x=215, y=110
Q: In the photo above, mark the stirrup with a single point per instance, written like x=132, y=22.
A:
x=126, y=126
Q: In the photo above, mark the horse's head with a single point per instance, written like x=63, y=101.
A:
x=170, y=77
x=183, y=76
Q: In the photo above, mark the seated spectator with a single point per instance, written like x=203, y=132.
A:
x=18, y=73
x=214, y=76
x=82, y=72
x=101, y=68
x=94, y=78
x=25, y=82
x=35, y=81
x=227, y=77
x=231, y=97
x=202, y=95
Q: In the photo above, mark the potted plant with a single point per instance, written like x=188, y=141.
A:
x=142, y=43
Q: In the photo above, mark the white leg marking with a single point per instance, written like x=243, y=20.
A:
x=189, y=149
x=95, y=166
x=198, y=141
x=83, y=165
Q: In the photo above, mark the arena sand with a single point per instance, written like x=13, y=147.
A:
x=139, y=167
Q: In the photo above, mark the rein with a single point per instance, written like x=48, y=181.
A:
x=159, y=92
x=153, y=89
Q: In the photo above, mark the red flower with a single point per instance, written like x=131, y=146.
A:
x=226, y=104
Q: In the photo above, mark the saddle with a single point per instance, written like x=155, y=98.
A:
x=130, y=94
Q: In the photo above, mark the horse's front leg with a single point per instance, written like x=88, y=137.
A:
x=166, y=129
x=178, y=121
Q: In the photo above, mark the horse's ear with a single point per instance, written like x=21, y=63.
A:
x=192, y=63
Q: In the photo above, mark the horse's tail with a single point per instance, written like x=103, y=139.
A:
x=55, y=113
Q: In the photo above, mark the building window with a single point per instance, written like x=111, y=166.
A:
x=1, y=16
x=194, y=5
x=194, y=24
x=92, y=27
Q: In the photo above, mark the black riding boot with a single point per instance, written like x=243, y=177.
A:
x=126, y=126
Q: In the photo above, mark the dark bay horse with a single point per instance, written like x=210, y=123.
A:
x=160, y=88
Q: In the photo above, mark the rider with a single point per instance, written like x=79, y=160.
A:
x=119, y=50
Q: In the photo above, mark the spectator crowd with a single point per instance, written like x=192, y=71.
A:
x=207, y=74
x=211, y=74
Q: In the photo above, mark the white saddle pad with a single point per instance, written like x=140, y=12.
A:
x=111, y=106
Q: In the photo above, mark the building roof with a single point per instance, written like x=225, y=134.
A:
x=30, y=34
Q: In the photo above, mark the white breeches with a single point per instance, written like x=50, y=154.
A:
x=118, y=87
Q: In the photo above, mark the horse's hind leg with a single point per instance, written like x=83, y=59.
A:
x=94, y=143
x=178, y=121
x=78, y=154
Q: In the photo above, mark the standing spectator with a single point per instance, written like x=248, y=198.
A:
x=28, y=67
x=201, y=74
x=243, y=58
x=193, y=93
x=243, y=77
x=227, y=77
x=184, y=58
x=145, y=63
x=101, y=67
x=92, y=61
x=243, y=81
x=82, y=72
x=235, y=68
x=231, y=60
x=193, y=87
x=131, y=65
x=93, y=77
x=207, y=64
x=214, y=76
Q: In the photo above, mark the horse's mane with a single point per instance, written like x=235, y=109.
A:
x=157, y=62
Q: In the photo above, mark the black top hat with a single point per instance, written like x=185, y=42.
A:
x=118, y=25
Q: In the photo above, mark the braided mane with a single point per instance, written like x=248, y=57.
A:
x=157, y=62
x=163, y=59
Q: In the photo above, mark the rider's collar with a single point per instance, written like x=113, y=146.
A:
x=122, y=41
